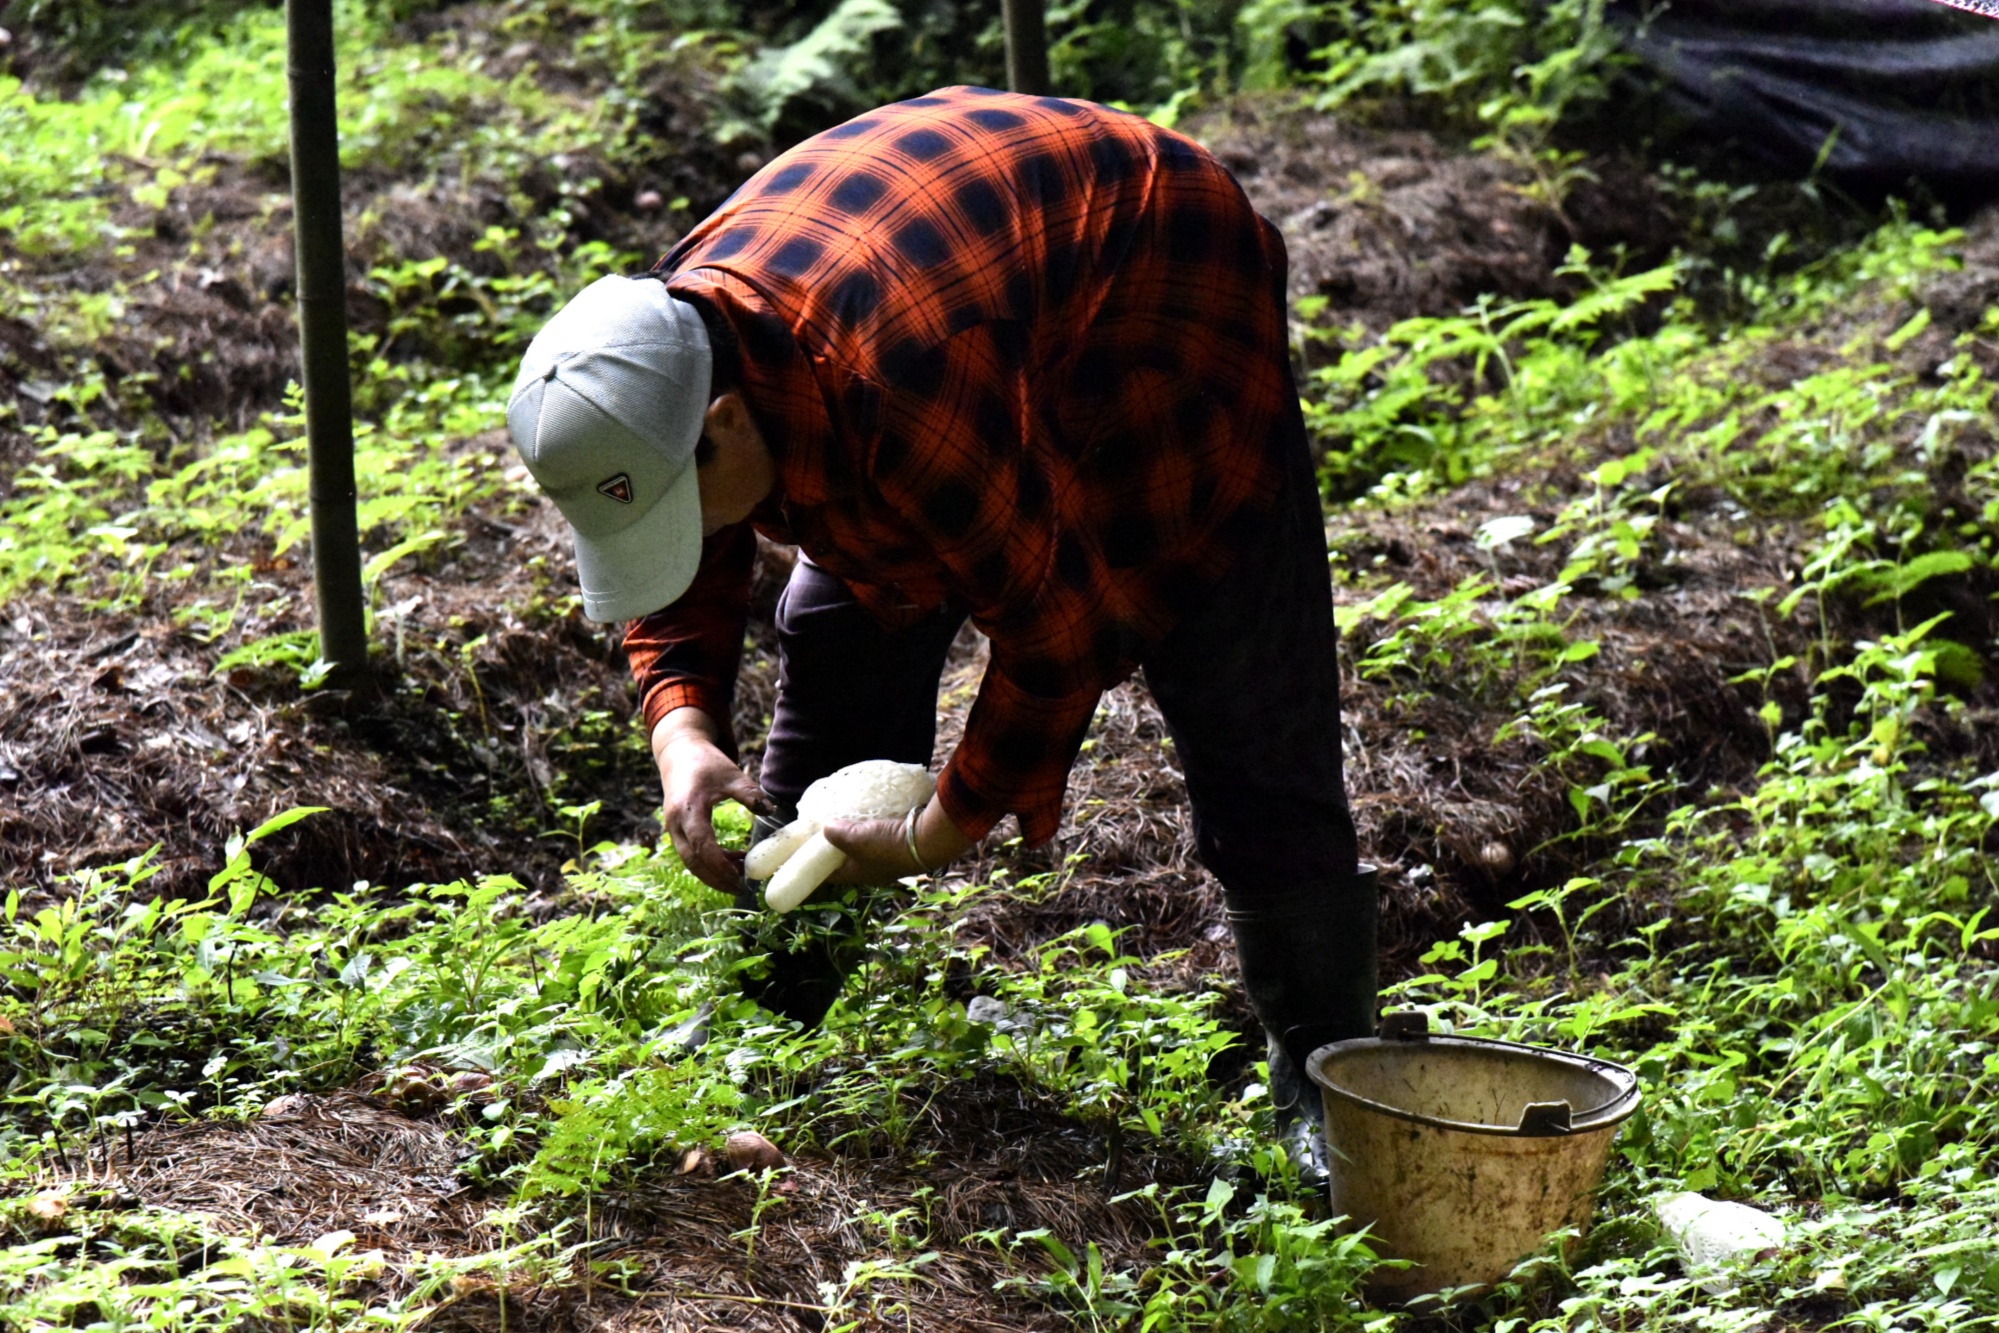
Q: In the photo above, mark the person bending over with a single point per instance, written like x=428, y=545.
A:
x=1017, y=359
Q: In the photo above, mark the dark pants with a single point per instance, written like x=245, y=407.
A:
x=1248, y=683
x=847, y=689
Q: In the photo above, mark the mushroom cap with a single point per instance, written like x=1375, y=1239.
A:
x=871, y=789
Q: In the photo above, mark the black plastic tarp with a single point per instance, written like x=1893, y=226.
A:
x=1873, y=93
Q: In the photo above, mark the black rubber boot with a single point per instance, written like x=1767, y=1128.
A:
x=1308, y=958
x=810, y=952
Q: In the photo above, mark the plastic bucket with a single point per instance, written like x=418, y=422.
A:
x=1462, y=1154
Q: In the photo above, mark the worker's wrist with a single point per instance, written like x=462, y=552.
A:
x=936, y=841
x=968, y=811
x=681, y=726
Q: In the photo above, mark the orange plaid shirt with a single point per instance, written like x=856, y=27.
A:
x=1023, y=351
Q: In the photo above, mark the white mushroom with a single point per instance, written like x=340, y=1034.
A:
x=774, y=851
x=797, y=858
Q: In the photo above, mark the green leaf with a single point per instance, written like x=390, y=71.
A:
x=1614, y=298
x=1865, y=935
x=1472, y=976
x=1958, y=666
x=1580, y=652
x=1899, y=581
x=820, y=60
x=1604, y=750
x=296, y=649
x=1901, y=337
x=280, y=822
x=1064, y=1257
x=1503, y=531
x=379, y=565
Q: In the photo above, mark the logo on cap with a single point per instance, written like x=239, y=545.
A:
x=619, y=488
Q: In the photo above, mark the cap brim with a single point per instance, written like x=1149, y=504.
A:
x=648, y=565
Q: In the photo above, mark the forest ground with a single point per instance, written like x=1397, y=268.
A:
x=1635, y=712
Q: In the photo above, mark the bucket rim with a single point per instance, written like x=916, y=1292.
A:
x=1606, y=1115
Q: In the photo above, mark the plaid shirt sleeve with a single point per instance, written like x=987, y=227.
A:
x=1016, y=755
x=686, y=655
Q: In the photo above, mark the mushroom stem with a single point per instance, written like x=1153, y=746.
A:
x=805, y=871
x=765, y=858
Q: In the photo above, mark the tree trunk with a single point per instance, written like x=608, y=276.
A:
x=322, y=317
x=1027, y=46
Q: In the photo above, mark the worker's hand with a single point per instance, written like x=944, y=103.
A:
x=878, y=853
x=695, y=776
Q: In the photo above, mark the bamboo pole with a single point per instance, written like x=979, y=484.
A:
x=1026, y=46
x=322, y=318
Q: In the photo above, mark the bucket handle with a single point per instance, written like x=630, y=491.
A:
x=1538, y=1120
x=1545, y=1120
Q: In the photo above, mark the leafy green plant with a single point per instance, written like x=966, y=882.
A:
x=1232, y=1260
x=1412, y=400
x=1110, y=1048
x=1515, y=67
x=818, y=64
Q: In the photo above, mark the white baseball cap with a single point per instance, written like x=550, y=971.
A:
x=606, y=414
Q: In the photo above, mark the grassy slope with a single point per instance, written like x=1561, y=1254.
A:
x=1797, y=958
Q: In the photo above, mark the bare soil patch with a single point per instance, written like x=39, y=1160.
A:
x=675, y=1251
x=306, y=1167
x=116, y=733
x=1391, y=224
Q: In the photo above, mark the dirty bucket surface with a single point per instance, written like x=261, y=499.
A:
x=1463, y=1154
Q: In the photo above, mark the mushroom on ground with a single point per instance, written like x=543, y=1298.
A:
x=748, y=1150
x=797, y=858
